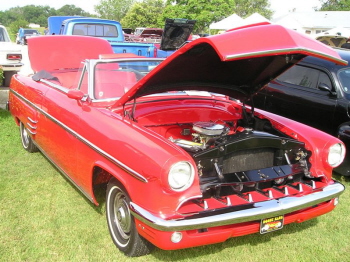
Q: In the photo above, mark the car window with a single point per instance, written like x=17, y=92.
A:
x=31, y=32
x=306, y=77
x=3, y=36
x=95, y=30
x=344, y=77
x=301, y=76
x=324, y=79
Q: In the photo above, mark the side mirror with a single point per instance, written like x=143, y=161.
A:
x=75, y=94
x=325, y=87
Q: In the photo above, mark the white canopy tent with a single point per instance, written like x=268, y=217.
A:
x=252, y=19
x=226, y=23
x=234, y=21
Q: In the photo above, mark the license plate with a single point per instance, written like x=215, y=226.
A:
x=268, y=225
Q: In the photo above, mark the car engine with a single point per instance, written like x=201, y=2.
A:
x=245, y=159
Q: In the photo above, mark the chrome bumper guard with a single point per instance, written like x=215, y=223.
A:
x=11, y=66
x=259, y=210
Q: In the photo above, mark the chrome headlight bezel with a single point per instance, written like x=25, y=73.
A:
x=181, y=176
x=336, y=154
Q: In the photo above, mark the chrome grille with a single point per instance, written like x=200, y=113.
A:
x=251, y=159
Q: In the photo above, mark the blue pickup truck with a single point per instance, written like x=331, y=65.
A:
x=176, y=33
x=107, y=29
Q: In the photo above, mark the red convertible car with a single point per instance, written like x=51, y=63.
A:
x=184, y=160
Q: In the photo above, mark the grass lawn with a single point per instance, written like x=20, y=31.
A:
x=44, y=218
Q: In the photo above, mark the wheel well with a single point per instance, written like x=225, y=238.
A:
x=17, y=120
x=100, y=179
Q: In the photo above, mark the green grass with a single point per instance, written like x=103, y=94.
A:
x=44, y=218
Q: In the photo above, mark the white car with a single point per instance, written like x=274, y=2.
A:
x=10, y=56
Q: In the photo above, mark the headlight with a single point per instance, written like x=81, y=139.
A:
x=336, y=154
x=181, y=176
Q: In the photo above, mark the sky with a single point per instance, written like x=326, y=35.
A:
x=280, y=7
x=86, y=5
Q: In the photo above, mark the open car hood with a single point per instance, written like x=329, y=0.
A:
x=176, y=32
x=332, y=40
x=235, y=63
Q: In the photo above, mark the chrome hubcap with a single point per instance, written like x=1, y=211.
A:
x=25, y=136
x=122, y=216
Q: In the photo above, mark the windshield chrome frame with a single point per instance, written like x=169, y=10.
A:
x=91, y=64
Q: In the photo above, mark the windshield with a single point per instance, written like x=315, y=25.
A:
x=31, y=32
x=3, y=35
x=112, y=79
x=344, y=78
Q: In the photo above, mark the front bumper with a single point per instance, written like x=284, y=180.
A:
x=228, y=216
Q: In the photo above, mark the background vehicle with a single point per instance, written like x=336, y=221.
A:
x=315, y=92
x=10, y=56
x=28, y=33
x=148, y=35
x=110, y=30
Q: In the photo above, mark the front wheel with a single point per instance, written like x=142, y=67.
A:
x=27, y=141
x=121, y=223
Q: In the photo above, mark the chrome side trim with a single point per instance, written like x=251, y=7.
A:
x=259, y=210
x=84, y=140
x=31, y=120
x=32, y=127
x=284, y=51
x=58, y=87
x=30, y=131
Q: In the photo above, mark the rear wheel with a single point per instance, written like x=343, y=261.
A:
x=26, y=139
x=121, y=223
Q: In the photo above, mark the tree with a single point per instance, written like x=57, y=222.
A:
x=14, y=26
x=113, y=9
x=12, y=15
x=245, y=8
x=38, y=14
x=335, y=5
x=70, y=10
x=34, y=14
x=209, y=11
x=144, y=14
x=203, y=11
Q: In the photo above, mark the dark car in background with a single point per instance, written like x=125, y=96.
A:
x=27, y=33
x=315, y=92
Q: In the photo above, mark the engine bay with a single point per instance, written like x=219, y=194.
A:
x=243, y=160
x=234, y=151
